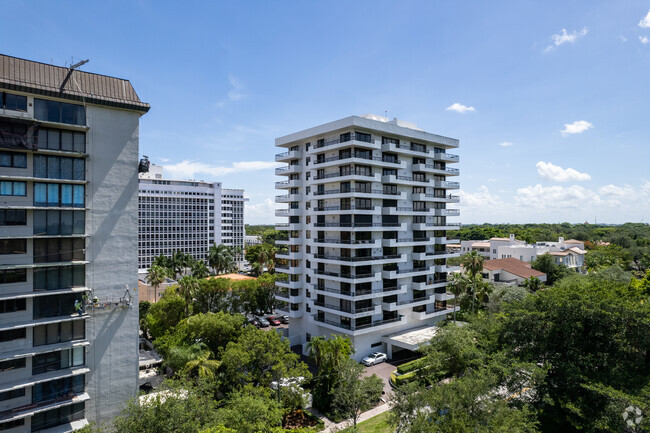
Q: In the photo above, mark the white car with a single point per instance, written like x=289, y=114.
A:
x=374, y=358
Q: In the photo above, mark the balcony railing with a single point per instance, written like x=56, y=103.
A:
x=353, y=327
x=353, y=190
x=351, y=207
x=409, y=147
x=343, y=275
x=286, y=168
x=356, y=259
x=351, y=310
x=343, y=241
x=347, y=173
x=357, y=225
x=356, y=137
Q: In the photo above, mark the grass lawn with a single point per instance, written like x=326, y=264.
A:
x=377, y=424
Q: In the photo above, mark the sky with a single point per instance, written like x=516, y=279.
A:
x=550, y=99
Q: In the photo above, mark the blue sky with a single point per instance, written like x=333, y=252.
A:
x=550, y=99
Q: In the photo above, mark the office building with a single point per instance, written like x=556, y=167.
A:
x=365, y=253
x=68, y=246
x=187, y=216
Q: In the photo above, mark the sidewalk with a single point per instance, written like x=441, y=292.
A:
x=330, y=427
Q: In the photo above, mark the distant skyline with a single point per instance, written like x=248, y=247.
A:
x=550, y=100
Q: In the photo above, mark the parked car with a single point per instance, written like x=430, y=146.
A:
x=284, y=319
x=255, y=322
x=263, y=322
x=274, y=321
x=374, y=358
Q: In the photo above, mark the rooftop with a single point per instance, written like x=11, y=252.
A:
x=53, y=81
x=512, y=266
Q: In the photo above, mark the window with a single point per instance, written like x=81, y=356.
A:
x=55, y=305
x=10, y=276
x=58, y=388
x=12, y=305
x=59, y=195
x=59, y=250
x=59, y=332
x=13, y=246
x=54, y=222
x=12, y=424
x=12, y=334
x=59, y=277
x=12, y=364
x=361, y=136
x=13, y=217
x=58, y=416
x=13, y=102
x=388, y=140
x=59, y=167
x=55, y=139
x=52, y=361
x=13, y=188
x=60, y=112
x=14, y=393
x=13, y=159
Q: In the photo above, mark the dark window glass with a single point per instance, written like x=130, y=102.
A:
x=12, y=364
x=55, y=305
x=13, y=217
x=13, y=246
x=9, y=276
x=14, y=393
x=12, y=424
x=13, y=102
x=13, y=188
x=59, y=195
x=12, y=334
x=13, y=159
x=66, y=141
x=13, y=305
x=55, y=417
x=61, y=112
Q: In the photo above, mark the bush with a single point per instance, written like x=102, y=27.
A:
x=403, y=378
x=407, y=367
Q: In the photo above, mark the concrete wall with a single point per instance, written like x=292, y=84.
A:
x=112, y=196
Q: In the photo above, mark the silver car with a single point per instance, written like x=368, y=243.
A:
x=374, y=358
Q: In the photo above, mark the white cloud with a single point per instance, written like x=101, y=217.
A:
x=645, y=21
x=261, y=212
x=187, y=169
x=460, y=108
x=481, y=199
x=576, y=127
x=556, y=173
x=564, y=37
x=234, y=94
x=644, y=39
x=556, y=197
x=622, y=38
x=506, y=144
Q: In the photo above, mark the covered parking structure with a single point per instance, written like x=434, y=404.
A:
x=410, y=340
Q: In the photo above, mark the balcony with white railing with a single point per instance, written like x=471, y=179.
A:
x=430, y=313
x=341, y=176
x=352, y=139
x=348, y=277
x=351, y=311
x=433, y=226
x=288, y=212
x=337, y=210
x=376, y=325
x=287, y=198
x=334, y=193
x=446, y=184
x=334, y=242
x=357, y=261
x=407, y=272
x=288, y=226
x=429, y=284
x=406, y=180
x=407, y=303
x=288, y=184
x=445, y=157
x=439, y=198
x=288, y=169
x=435, y=169
x=406, y=149
x=406, y=242
x=288, y=156
x=359, y=294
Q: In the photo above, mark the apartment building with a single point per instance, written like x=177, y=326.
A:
x=188, y=216
x=365, y=253
x=68, y=246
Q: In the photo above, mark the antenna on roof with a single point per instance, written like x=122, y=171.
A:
x=70, y=69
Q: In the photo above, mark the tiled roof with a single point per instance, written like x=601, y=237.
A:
x=574, y=241
x=513, y=266
x=481, y=245
x=44, y=79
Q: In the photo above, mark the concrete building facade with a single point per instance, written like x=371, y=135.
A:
x=187, y=216
x=365, y=253
x=68, y=246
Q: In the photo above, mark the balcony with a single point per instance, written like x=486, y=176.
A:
x=406, y=180
x=349, y=277
x=359, y=295
x=288, y=212
x=445, y=184
x=287, y=198
x=288, y=184
x=433, y=226
x=337, y=243
x=360, y=260
x=445, y=157
x=441, y=312
x=287, y=156
x=348, y=311
x=448, y=198
x=447, y=212
x=430, y=284
x=436, y=169
x=288, y=169
x=404, y=148
x=352, y=192
x=287, y=296
x=406, y=273
x=365, y=226
x=351, y=175
x=402, y=210
x=290, y=241
x=360, y=329
x=358, y=139
x=406, y=242
x=337, y=210
x=286, y=284
x=288, y=226
x=406, y=303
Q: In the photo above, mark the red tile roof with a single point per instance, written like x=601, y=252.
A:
x=513, y=266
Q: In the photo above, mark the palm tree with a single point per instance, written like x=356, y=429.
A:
x=473, y=264
x=186, y=287
x=220, y=258
x=162, y=260
x=484, y=289
x=457, y=287
x=156, y=276
x=533, y=284
x=200, y=270
x=201, y=365
x=180, y=261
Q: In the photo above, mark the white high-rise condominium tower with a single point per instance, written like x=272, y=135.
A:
x=68, y=235
x=187, y=216
x=365, y=253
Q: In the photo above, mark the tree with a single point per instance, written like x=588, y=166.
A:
x=261, y=256
x=165, y=314
x=554, y=272
x=483, y=290
x=353, y=394
x=473, y=264
x=258, y=358
x=200, y=270
x=156, y=276
x=163, y=261
x=457, y=287
x=221, y=258
x=187, y=285
x=328, y=354
x=180, y=261
x=533, y=284
x=250, y=412
x=202, y=367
